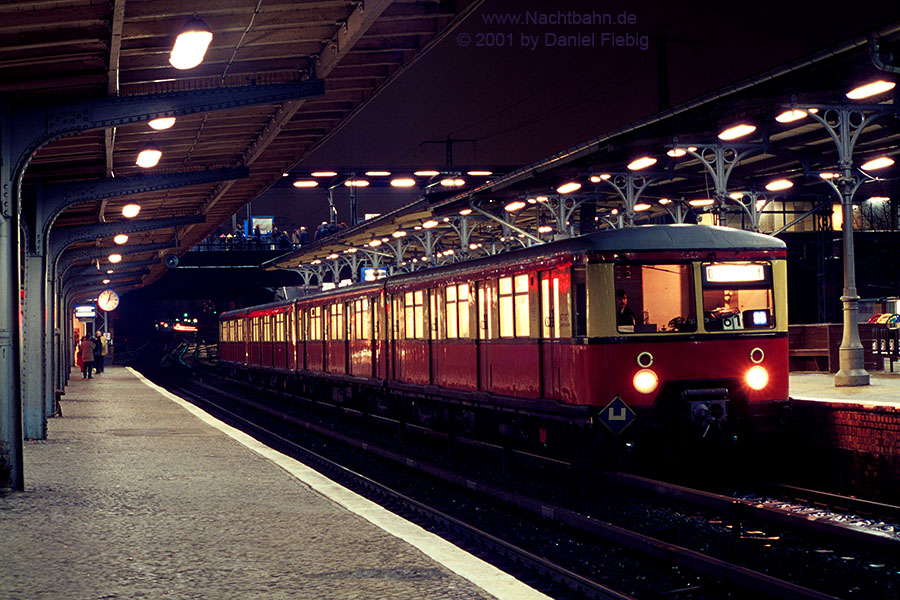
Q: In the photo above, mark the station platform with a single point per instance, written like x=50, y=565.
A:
x=883, y=388
x=138, y=494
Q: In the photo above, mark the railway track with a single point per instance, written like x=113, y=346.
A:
x=747, y=581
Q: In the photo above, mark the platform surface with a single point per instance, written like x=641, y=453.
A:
x=883, y=388
x=135, y=496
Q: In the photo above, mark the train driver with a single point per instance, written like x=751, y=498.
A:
x=624, y=314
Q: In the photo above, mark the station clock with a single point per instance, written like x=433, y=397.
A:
x=107, y=300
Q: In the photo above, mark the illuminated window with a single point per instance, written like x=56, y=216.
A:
x=254, y=329
x=486, y=317
x=315, y=323
x=737, y=295
x=514, y=310
x=336, y=322
x=279, y=328
x=361, y=319
x=457, y=312
x=298, y=325
x=414, y=313
x=651, y=298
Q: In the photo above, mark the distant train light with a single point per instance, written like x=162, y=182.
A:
x=732, y=273
x=641, y=163
x=191, y=45
x=738, y=131
x=161, y=123
x=871, y=89
x=757, y=377
x=130, y=211
x=183, y=327
x=645, y=381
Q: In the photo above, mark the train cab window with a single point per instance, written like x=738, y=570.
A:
x=457, y=311
x=315, y=323
x=737, y=295
x=654, y=298
x=513, y=303
x=414, y=314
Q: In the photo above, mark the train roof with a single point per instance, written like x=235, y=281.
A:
x=642, y=238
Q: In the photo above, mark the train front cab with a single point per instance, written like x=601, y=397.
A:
x=707, y=353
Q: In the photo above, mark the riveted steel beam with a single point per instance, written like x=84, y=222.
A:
x=51, y=200
x=61, y=238
x=73, y=257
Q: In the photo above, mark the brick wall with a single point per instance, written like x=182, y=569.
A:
x=853, y=449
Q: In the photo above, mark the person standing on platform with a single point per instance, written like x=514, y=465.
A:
x=303, y=236
x=99, y=352
x=86, y=351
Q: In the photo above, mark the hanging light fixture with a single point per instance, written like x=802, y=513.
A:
x=161, y=123
x=737, y=131
x=149, y=156
x=115, y=258
x=568, y=187
x=191, y=44
x=120, y=239
x=130, y=211
x=871, y=89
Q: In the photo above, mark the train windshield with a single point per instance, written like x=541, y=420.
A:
x=655, y=298
x=737, y=295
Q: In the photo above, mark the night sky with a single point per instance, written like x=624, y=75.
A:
x=523, y=95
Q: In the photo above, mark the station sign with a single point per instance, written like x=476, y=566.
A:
x=85, y=311
x=617, y=416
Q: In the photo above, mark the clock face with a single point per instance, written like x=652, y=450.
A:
x=108, y=300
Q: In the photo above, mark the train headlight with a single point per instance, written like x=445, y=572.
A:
x=757, y=377
x=645, y=381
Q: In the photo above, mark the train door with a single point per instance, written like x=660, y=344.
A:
x=486, y=328
x=550, y=328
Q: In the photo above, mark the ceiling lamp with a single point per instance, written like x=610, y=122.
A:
x=115, y=258
x=641, y=207
x=514, y=206
x=664, y=201
x=736, y=195
x=879, y=199
x=480, y=173
x=641, y=163
x=190, y=45
x=323, y=173
x=149, y=156
x=779, y=184
x=403, y=182
x=738, y=131
x=877, y=163
x=285, y=174
x=429, y=224
x=568, y=188
x=161, y=123
x=120, y=239
x=871, y=89
x=545, y=229
x=130, y=211
x=599, y=178
x=790, y=116
x=378, y=173
x=427, y=173
x=106, y=282
x=399, y=233
x=453, y=182
x=331, y=256
x=374, y=243
x=829, y=175
x=465, y=211
x=305, y=183
x=109, y=271
x=702, y=202
x=356, y=183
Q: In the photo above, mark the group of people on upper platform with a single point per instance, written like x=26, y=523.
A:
x=90, y=353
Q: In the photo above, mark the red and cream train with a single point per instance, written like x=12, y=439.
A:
x=527, y=344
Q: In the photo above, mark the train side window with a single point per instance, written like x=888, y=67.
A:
x=279, y=327
x=315, y=323
x=254, y=329
x=435, y=314
x=487, y=309
x=657, y=298
x=414, y=313
x=579, y=301
x=515, y=318
x=457, y=311
x=361, y=319
x=336, y=321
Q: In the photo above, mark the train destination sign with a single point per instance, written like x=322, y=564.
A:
x=617, y=415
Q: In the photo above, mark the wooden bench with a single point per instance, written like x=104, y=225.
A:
x=815, y=347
